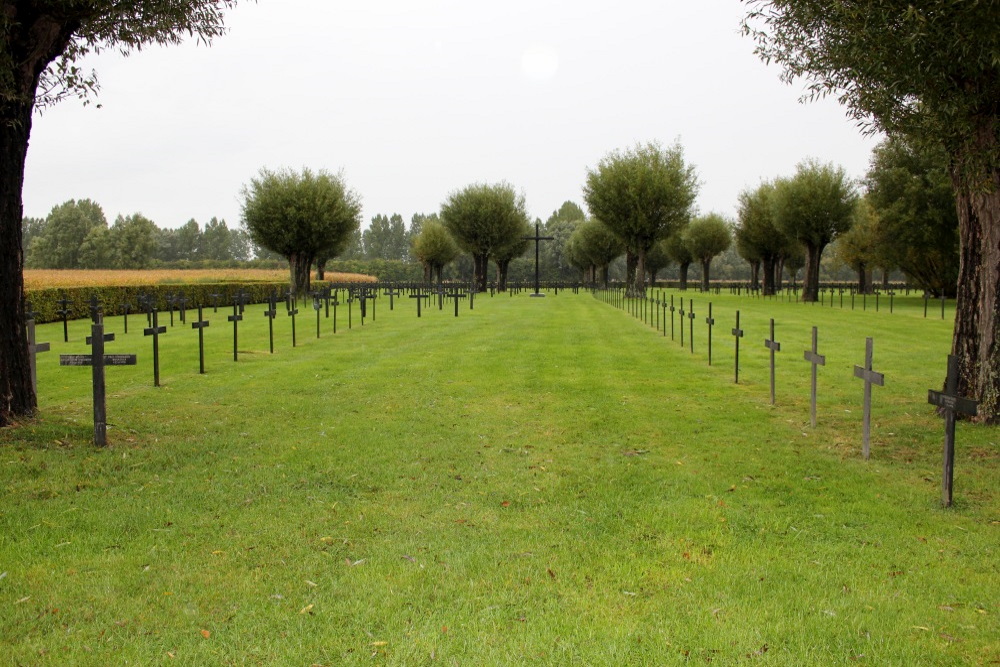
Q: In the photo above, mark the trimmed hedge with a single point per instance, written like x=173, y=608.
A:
x=45, y=302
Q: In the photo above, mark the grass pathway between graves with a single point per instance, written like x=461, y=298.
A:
x=538, y=481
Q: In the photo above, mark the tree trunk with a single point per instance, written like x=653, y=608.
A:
x=769, y=270
x=755, y=275
x=779, y=270
x=439, y=271
x=631, y=260
x=639, y=288
x=321, y=270
x=482, y=265
x=683, y=270
x=502, y=274
x=810, y=283
x=862, y=275
x=976, y=340
x=17, y=398
x=706, y=265
x=885, y=280
x=606, y=275
x=300, y=268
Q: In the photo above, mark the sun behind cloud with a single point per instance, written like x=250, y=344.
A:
x=539, y=62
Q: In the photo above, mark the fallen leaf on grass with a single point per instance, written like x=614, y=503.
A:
x=206, y=634
x=24, y=599
x=505, y=503
x=409, y=558
x=378, y=643
x=311, y=583
x=920, y=627
x=307, y=609
x=326, y=540
x=551, y=573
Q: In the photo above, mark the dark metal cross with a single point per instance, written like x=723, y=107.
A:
x=950, y=403
x=773, y=346
x=155, y=332
x=269, y=314
x=870, y=377
x=64, y=312
x=419, y=297
x=537, y=239
x=97, y=360
x=200, y=325
x=317, y=306
x=292, y=312
x=691, y=323
x=816, y=359
x=456, y=296
x=738, y=333
x=33, y=348
x=681, y=311
x=709, y=321
x=171, y=302
x=215, y=301
x=235, y=319
x=391, y=292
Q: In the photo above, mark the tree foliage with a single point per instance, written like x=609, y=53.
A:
x=300, y=215
x=434, y=247
x=592, y=247
x=678, y=251
x=385, y=238
x=814, y=206
x=917, y=224
x=758, y=236
x=706, y=237
x=57, y=244
x=857, y=247
x=642, y=194
x=484, y=219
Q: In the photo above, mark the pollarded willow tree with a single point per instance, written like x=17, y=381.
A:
x=928, y=71
x=435, y=248
x=757, y=235
x=642, y=194
x=814, y=207
x=301, y=216
x=708, y=236
x=484, y=219
x=42, y=42
x=592, y=247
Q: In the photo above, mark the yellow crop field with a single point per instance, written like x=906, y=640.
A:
x=35, y=279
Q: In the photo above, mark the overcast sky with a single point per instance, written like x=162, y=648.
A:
x=414, y=99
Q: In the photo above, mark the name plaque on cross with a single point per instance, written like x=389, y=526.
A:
x=97, y=360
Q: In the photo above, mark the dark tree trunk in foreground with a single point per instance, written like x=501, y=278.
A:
x=502, y=267
x=976, y=340
x=755, y=275
x=321, y=270
x=779, y=270
x=862, y=286
x=706, y=265
x=17, y=399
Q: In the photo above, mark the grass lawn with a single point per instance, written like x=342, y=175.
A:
x=538, y=481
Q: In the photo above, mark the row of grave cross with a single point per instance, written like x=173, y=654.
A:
x=948, y=402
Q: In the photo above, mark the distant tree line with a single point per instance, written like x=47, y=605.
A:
x=76, y=235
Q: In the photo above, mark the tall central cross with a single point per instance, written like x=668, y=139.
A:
x=870, y=377
x=537, y=239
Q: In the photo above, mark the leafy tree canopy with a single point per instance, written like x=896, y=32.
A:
x=642, y=194
x=300, y=215
x=484, y=219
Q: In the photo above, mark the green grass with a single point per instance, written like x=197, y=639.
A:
x=538, y=481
